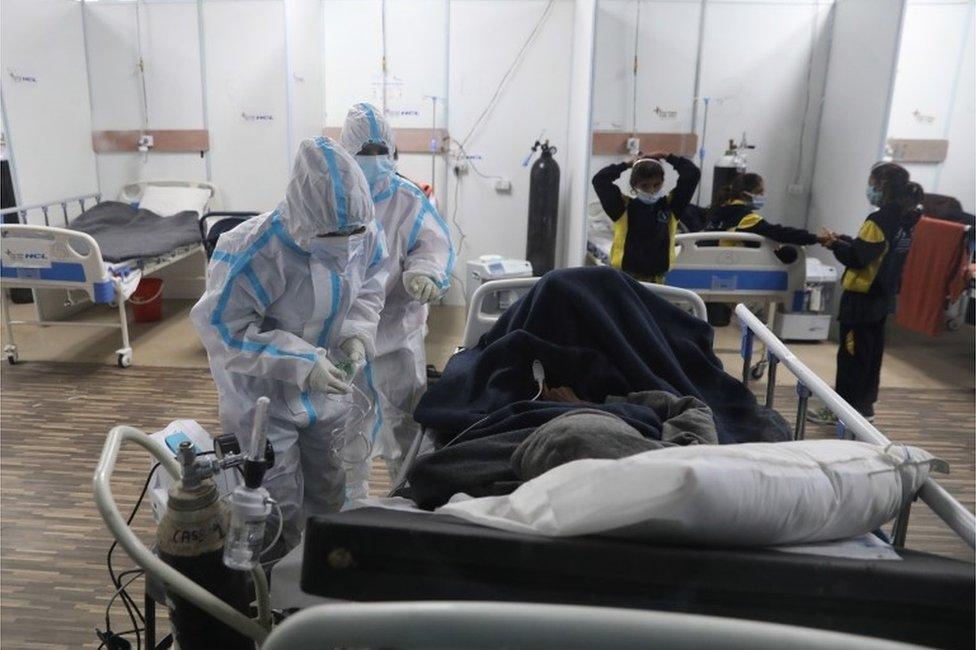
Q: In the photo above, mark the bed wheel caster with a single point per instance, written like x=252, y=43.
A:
x=11, y=353
x=953, y=324
x=758, y=370
x=125, y=359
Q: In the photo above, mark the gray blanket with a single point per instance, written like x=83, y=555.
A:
x=125, y=233
x=591, y=433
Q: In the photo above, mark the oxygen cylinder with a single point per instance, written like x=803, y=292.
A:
x=540, y=248
x=726, y=168
x=191, y=540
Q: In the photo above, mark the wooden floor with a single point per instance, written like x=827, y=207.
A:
x=54, y=418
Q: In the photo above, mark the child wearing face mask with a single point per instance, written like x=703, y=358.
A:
x=738, y=210
x=644, y=224
x=872, y=278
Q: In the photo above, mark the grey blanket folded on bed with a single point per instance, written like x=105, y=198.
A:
x=124, y=232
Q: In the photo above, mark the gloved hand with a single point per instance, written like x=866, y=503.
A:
x=354, y=348
x=422, y=288
x=326, y=377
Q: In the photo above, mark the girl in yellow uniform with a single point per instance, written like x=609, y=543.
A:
x=644, y=224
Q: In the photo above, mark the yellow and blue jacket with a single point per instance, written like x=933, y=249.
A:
x=738, y=216
x=869, y=283
x=643, y=234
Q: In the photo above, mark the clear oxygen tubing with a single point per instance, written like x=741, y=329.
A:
x=362, y=409
x=538, y=374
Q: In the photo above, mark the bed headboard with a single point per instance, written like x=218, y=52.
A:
x=736, y=273
x=132, y=192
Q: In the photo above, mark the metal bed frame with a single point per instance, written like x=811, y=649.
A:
x=80, y=263
x=851, y=424
x=525, y=624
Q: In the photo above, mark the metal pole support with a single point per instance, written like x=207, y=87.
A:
x=900, y=531
x=771, y=379
x=745, y=348
x=804, y=394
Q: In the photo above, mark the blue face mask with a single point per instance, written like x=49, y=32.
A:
x=375, y=168
x=757, y=200
x=874, y=195
x=650, y=198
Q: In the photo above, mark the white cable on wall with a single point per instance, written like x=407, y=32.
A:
x=142, y=67
x=633, y=115
x=508, y=73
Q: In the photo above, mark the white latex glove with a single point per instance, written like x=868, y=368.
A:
x=325, y=377
x=422, y=288
x=354, y=348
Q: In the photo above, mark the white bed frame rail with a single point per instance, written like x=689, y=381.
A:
x=45, y=257
x=45, y=208
x=49, y=257
x=851, y=423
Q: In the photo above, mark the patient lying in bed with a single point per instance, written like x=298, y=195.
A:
x=598, y=333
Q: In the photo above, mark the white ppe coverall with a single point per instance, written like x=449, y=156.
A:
x=418, y=241
x=278, y=295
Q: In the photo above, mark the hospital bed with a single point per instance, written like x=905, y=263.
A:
x=50, y=257
x=410, y=568
x=747, y=272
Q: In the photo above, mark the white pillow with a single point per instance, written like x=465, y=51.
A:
x=757, y=494
x=168, y=201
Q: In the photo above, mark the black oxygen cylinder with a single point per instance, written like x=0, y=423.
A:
x=191, y=540
x=540, y=248
x=727, y=168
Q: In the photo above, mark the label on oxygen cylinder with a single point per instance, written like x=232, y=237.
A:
x=186, y=533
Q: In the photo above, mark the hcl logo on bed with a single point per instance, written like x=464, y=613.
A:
x=29, y=257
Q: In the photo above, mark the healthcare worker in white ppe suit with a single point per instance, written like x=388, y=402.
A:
x=421, y=261
x=285, y=291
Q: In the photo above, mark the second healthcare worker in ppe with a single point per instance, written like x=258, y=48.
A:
x=420, y=263
x=288, y=292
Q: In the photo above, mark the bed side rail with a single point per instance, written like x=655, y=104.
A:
x=736, y=273
x=953, y=513
x=37, y=257
x=52, y=206
x=473, y=624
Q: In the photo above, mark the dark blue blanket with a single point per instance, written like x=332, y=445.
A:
x=596, y=331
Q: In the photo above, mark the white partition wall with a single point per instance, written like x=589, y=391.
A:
x=460, y=52
x=247, y=101
x=534, y=101
x=45, y=97
x=934, y=94
x=761, y=65
x=167, y=36
x=416, y=53
x=578, y=172
x=855, y=112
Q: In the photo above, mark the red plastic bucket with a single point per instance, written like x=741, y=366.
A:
x=147, y=301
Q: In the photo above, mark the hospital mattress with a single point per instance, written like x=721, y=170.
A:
x=377, y=554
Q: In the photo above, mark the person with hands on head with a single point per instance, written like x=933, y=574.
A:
x=284, y=290
x=420, y=264
x=873, y=262
x=645, y=223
